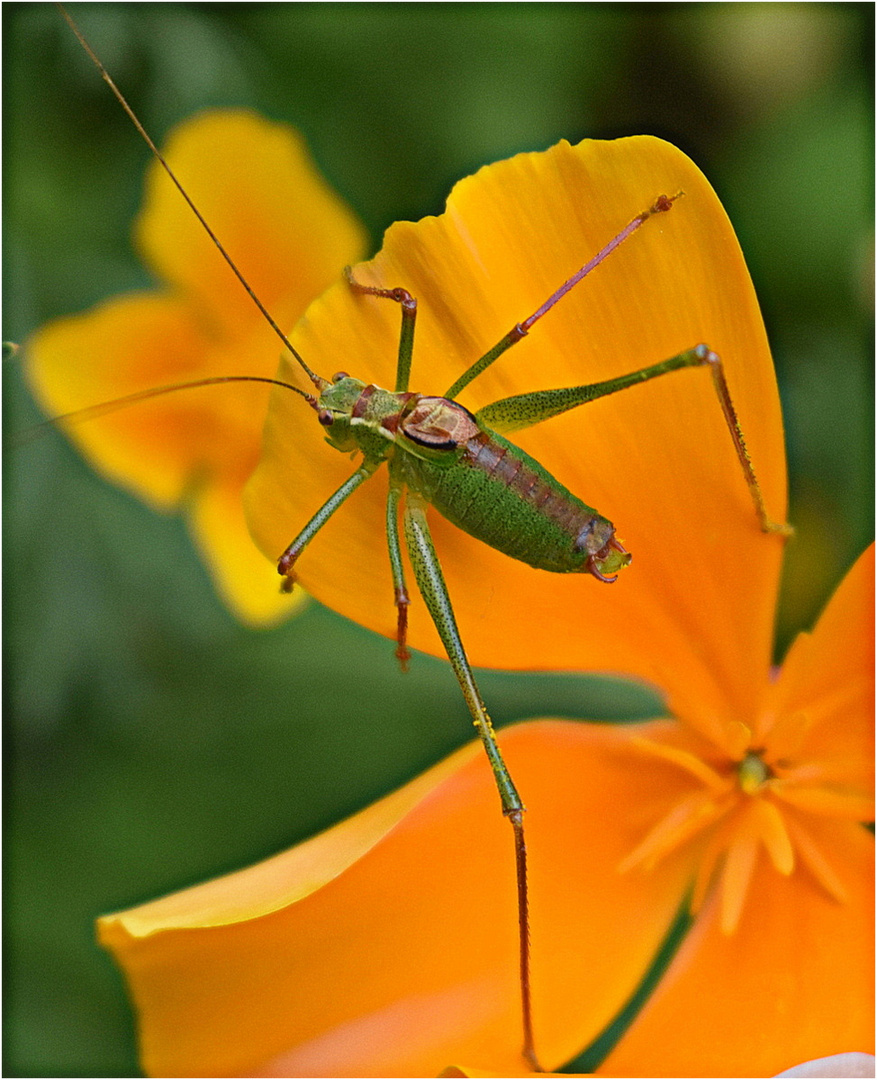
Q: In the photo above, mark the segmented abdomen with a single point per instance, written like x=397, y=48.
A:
x=499, y=494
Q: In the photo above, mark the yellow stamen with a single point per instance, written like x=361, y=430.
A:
x=752, y=773
x=831, y=802
x=717, y=844
x=809, y=853
x=737, y=738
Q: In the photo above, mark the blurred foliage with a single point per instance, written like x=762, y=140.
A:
x=152, y=742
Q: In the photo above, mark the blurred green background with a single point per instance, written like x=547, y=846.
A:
x=151, y=742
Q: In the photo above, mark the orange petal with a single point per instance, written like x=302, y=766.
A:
x=825, y=700
x=794, y=982
x=828, y=675
x=388, y=945
x=657, y=460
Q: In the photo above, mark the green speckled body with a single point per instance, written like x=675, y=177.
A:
x=478, y=480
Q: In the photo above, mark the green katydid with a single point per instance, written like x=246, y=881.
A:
x=439, y=454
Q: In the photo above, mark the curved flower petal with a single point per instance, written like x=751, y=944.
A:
x=735, y=1005
x=242, y=576
x=828, y=675
x=253, y=182
x=388, y=947
x=127, y=344
x=658, y=460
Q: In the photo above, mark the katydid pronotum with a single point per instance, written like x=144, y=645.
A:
x=439, y=454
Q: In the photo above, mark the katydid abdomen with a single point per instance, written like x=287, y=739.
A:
x=497, y=493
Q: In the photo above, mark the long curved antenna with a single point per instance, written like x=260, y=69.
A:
x=320, y=383
x=92, y=412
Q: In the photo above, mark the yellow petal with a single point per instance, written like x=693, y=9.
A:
x=256, y=186
x=128, y=344
x=657, y=460
x=258, y=189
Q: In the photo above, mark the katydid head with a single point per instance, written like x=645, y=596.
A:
x=335, y=409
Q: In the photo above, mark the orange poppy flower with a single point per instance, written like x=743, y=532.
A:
x=290, y=234
x=387, y=946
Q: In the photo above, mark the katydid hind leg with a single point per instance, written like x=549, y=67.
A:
x=525, y=410
x=520, y=330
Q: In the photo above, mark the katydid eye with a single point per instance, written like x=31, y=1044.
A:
x=325, y=417
x=339, y=375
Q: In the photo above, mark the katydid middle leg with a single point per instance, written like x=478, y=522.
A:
x=400, y=592
x=431, y=582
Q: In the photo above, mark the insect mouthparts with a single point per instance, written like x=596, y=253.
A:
x=605, y=563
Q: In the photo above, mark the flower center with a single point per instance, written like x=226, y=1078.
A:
x=752, y=773
x=743, y=808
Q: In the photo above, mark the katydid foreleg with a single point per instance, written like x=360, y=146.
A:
x=287, y=560
x=431, y=582
x=409, y=318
